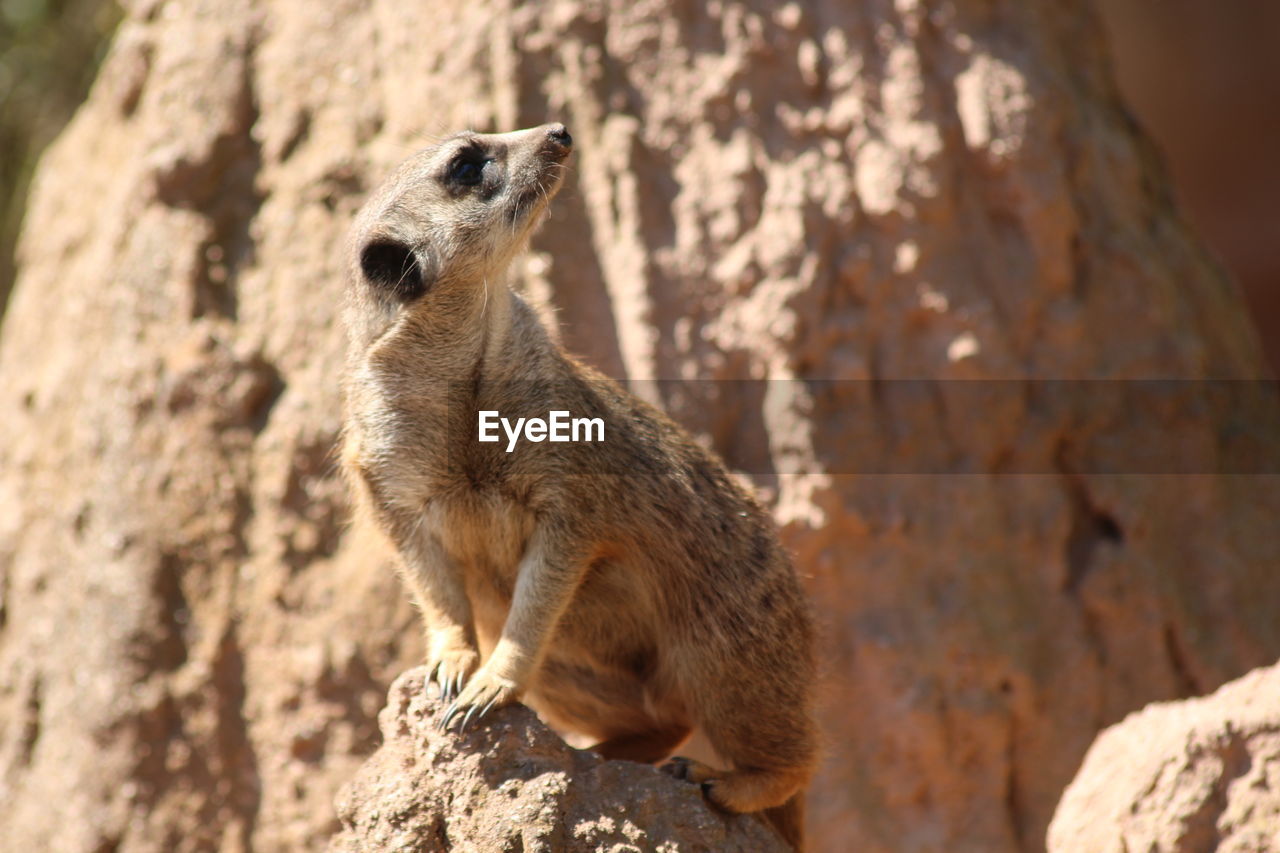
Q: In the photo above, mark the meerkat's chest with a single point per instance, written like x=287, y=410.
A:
x=401, y=432
x=486, y=538
x=481, y=529
x=410, y=446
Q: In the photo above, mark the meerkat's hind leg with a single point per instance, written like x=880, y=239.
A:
x=648, y=747
x=748, y=790
x=763, y=729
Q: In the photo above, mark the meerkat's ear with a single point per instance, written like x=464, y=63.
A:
x=396, y=269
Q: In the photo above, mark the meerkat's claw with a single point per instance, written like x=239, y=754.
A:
x=483, y=693
x=444, y=679
x=454, y=712
x=675, y=767
x=690, y=771
x=450, y=668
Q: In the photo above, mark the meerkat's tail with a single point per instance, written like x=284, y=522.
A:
x=788, y=820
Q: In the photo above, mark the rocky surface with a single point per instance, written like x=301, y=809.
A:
x=193, y=647
x=513, y=784
x=1214, y=122
x=1178, y=777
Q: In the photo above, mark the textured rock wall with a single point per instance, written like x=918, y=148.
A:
x=192, y=646
x=1203, y=80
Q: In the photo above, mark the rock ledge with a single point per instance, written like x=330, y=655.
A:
x=513, y=784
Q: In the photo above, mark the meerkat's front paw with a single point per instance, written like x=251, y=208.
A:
x=484, y=692
x=451, y=666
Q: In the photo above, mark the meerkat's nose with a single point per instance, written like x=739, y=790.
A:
x=559, y=134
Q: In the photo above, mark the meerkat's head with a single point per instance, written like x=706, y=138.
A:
x=456, y=213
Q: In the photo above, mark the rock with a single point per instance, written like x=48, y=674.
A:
x=1178, y=777
x=194, y=645
x=513, y=784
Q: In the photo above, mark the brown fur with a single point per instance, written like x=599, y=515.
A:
x=628, y=590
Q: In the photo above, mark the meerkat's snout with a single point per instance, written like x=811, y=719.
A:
x=536, y=176
x=559, y=139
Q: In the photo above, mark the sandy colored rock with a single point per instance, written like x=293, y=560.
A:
x=1176, y=777
x=513, y=784
x=193, y=647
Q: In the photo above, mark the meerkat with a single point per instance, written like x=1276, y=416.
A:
x=626, y=589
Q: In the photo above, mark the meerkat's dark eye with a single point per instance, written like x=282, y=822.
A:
x=467, y=172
